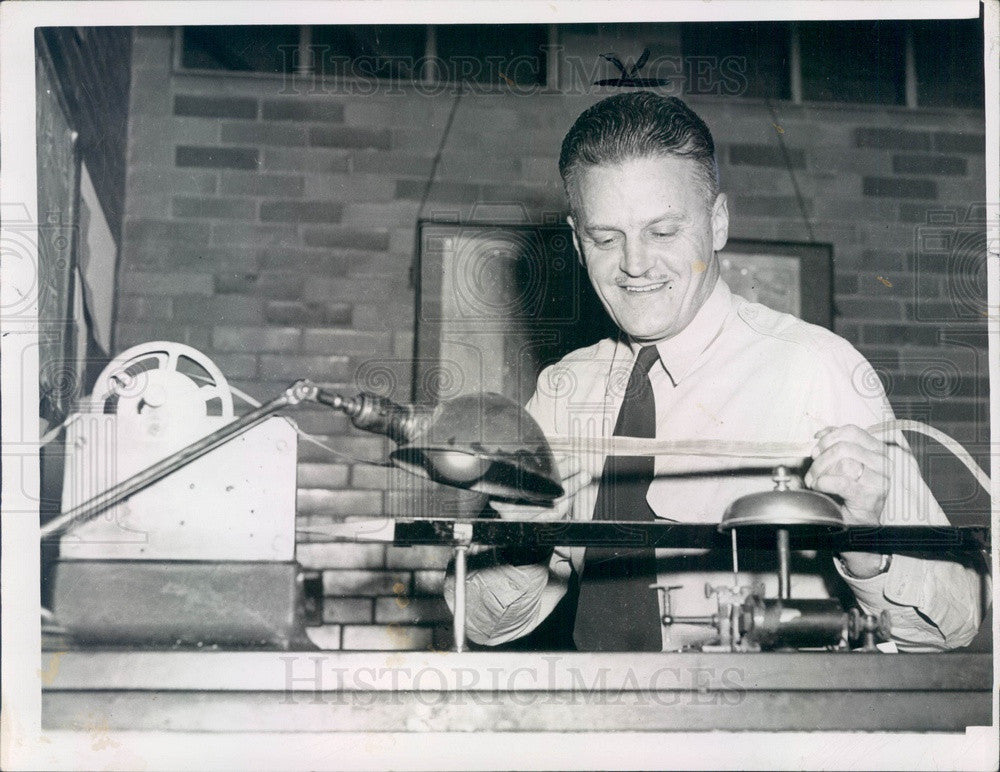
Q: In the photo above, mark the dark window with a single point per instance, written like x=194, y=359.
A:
x=393, y=51
x=857, y=61
x=241, y=49
x=949, y=62
x=736, y=59
x=494, y=53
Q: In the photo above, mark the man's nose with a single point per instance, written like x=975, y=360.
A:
x=635, y=260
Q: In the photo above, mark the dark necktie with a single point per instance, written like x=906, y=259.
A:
x=617, y=611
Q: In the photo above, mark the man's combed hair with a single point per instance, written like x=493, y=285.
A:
x=636, y=125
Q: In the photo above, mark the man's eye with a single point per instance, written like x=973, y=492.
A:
x=663, y=234
x=603, y=241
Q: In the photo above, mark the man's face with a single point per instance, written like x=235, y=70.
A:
x=648, y=238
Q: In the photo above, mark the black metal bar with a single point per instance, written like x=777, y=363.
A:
x=506, y=533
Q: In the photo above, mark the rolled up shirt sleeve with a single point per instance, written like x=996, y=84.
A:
x=505, y=601
x=934, y=601
x=932, y=604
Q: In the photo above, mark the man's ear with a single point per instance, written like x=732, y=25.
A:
x=720, y=222
x=576, y=241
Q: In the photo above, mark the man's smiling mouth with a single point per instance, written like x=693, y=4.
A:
x=640, y=288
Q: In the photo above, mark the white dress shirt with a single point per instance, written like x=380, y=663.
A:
x=738, y=371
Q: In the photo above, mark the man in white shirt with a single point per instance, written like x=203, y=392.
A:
x=648, y=220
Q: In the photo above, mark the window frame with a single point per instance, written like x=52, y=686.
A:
x=550, y=73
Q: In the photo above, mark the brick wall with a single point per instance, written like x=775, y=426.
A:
x=275, y=232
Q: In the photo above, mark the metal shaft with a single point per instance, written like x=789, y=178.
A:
x=460, y=578
x=784, y=569
x=166, y=466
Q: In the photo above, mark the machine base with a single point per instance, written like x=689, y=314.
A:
x=179, y=603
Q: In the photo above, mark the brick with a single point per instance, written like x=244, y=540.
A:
x=346, y=238
x=217, y=157
x=141, y=308
x=129, y=335
x=350, y=187
x=339, y=504
x=885, y=358
x=960, y=411
x=282, y=135
x=303, y=110
x=219, y=309
x=428, y=583
x=325, y=637
x=325, y=369
x=897, y=334
x=258, y=184
x=294, y=312
x=313, y=475
x=915, y=213
x=855, y=209
x=374, y=317
x=387, y=214
x=870, y=308
x=892, y=139
x=144, y=231
x=444, y=638
x=348, y=610
x=345, y=342
x=270, y=284
x=403, y=344
x=236, y=365
x=368, y=477
x=350, y=137
x=934, y=384
x=301, y=211
x=214, y=208
x=306, y=260
x=767, y=206
x=313, y=161
x=458, y=192
x=366, y=583
x=360, y=447
x=324, y=555
x=426, y=557
x=395, y=164
x=226, y=338
x=895, y=187
x=958, y=142
x=322, y=421
x=137, y=282
x=156, y=180
x=765, y=155
x=411, y=610
x=845, y=284
x=193, y=257
x=386, y=638
x=928, y=164
x=215, y=106
x=254, y=236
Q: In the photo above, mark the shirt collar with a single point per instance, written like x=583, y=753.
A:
x=679, y=353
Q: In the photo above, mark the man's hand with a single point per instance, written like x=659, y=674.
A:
x=573, y=478
x=850, y=463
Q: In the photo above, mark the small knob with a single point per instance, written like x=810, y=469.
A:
x=781, y=478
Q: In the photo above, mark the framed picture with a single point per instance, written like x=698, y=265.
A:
x=497, y=302
x=786, y=276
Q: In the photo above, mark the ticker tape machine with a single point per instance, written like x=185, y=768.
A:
x=178, y=515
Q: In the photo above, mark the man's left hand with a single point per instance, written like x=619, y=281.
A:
x=850, y=463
